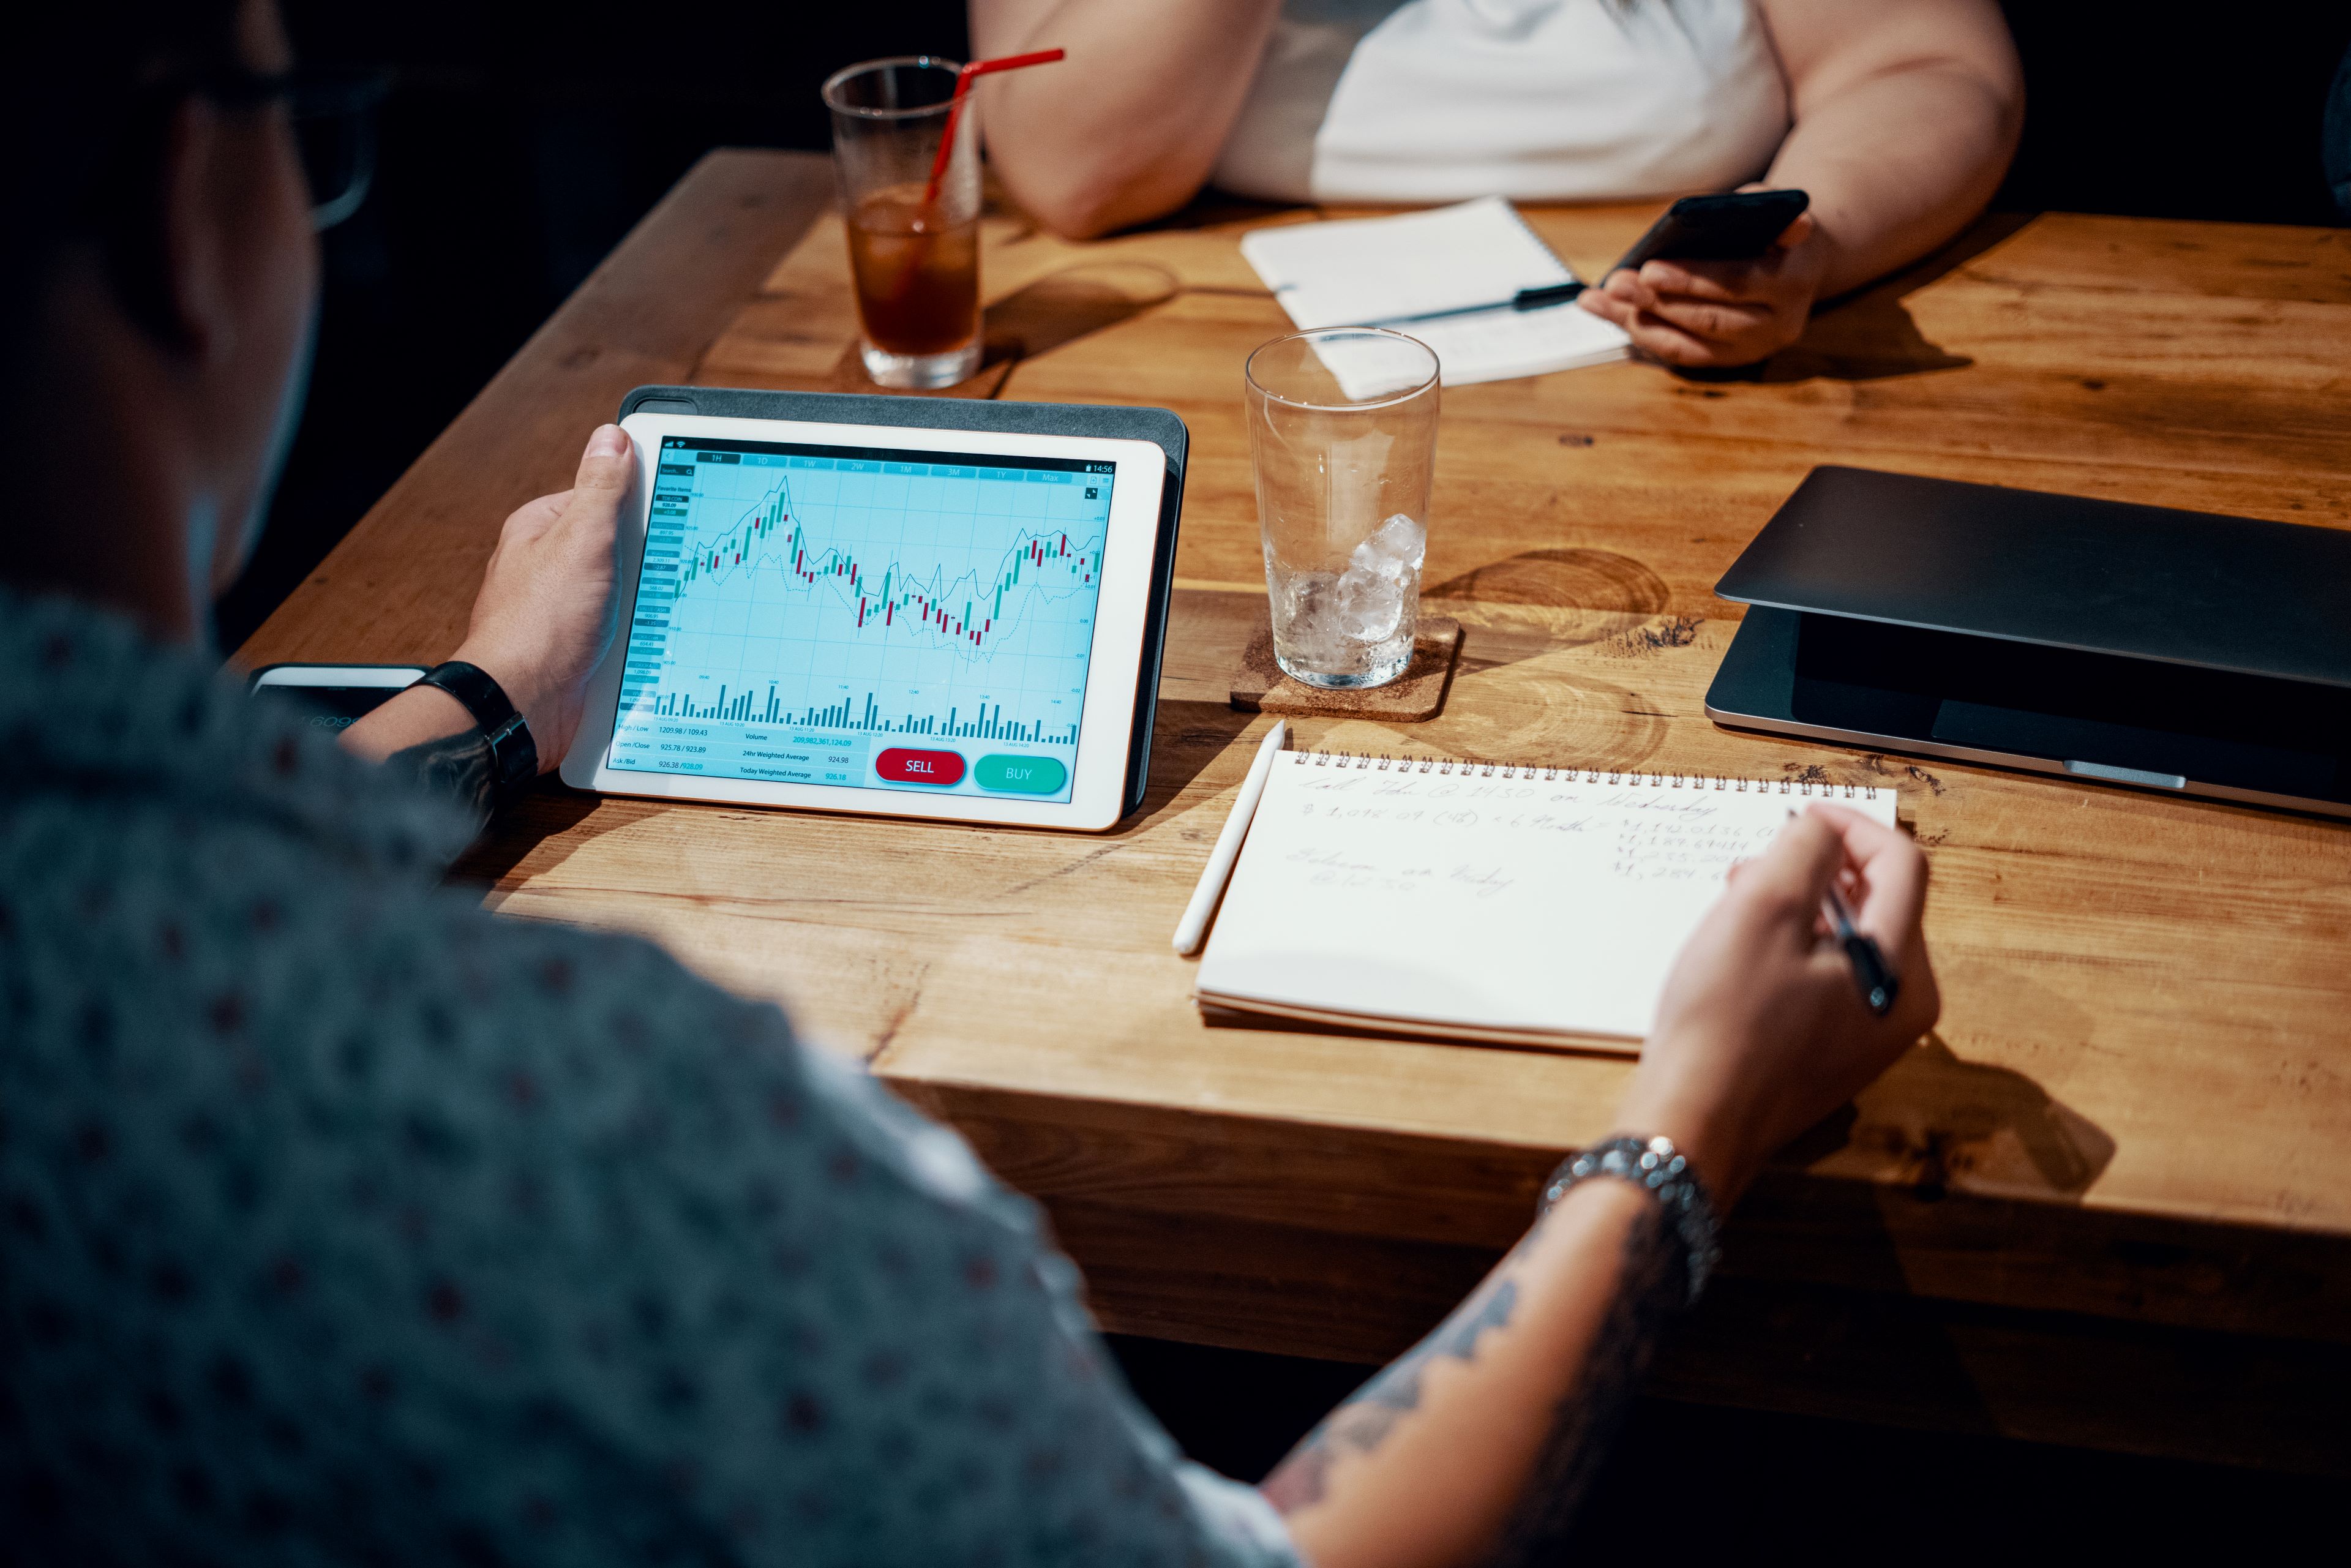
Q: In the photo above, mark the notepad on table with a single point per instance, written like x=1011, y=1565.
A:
x=1382, y=271
x=1520, y=906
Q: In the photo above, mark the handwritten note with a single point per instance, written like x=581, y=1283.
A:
x=1500, y=904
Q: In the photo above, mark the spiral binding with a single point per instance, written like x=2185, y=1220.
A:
x=1450, y=768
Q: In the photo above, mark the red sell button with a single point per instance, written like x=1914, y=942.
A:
x=900, y=766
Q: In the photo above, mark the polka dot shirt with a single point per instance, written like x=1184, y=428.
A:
x=343, y=1223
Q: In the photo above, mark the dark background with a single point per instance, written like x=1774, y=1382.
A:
x=522, y=138
x=519, y=141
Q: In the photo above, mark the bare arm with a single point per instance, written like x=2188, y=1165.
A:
x=1486, y=1431
x=1906, y=113
x=1476, y=1445
x=1129, y=126
x=541, y=622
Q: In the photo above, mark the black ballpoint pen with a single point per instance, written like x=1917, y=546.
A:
x=1524, y=300
x=1877, y=983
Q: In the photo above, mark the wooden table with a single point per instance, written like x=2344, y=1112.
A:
x=2108, y=1203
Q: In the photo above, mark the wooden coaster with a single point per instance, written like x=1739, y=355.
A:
x=1259, y=686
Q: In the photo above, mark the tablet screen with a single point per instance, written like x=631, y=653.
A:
x=864, y=617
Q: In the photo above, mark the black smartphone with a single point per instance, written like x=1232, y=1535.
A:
x=1737, y=226
x=333, y=696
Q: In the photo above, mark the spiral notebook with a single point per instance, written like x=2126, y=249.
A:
x=1478, y=901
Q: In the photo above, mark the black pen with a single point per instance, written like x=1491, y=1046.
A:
x=1877, y=983
x=1524, y=300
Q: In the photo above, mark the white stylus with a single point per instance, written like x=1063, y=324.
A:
x=1194, y=927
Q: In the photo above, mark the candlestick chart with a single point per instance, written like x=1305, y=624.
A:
x=964, y=611
x=900, y=597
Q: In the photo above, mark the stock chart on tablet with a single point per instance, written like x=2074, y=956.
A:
x=864, y=618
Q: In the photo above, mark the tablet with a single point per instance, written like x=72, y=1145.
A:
x=895, y=620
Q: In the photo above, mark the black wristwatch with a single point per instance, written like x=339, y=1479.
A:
x=513, y=756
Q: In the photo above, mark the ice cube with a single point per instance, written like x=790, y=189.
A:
x=1370, y=601
x=1397, y=546
x=1311, y=626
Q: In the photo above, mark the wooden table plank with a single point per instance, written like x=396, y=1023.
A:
x=2126, y=1153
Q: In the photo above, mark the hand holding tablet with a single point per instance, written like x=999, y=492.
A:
x=898, y=620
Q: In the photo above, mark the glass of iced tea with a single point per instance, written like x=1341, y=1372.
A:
x=913, y=250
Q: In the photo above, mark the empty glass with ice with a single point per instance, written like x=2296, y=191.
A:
x=1342, y=425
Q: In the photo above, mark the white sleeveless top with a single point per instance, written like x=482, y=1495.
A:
x=1439, y=101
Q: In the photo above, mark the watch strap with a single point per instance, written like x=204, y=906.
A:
x=1657, y=1168
x=514, y=755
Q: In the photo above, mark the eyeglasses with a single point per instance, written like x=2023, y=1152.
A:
x=332, y=112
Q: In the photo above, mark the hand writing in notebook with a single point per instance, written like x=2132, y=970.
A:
x=1759, y=1032
x=1522, y=905
x=1477, y=1444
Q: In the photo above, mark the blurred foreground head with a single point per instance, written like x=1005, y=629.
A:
x=157, y=279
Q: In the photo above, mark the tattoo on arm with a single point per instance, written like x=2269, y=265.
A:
x=458, y=765
x=1651, y=1291
x=1361, y=1423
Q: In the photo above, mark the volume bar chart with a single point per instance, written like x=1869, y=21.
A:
x=987, y=724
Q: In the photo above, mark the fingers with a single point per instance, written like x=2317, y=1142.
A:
x=1704, y=308
x=1601, y=304
x=1680, y=330
x=1718, y=282
x=1889, y=875
x=1703, y=305
x=1893, y=873
x=1789, y=878
x=607, y=469
x=1627, y=289
x=590, y=516
x=1725, y=324
x=606, y=472
x=1654, y=336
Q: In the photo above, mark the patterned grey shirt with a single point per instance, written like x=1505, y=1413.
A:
x=341, y=1222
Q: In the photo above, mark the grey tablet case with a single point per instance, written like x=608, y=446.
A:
x=2129, y=644
x=1156, y=425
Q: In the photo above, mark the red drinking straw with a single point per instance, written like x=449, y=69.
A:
x=955, y=106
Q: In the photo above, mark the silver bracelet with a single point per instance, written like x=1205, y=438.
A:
x=1657, y=1168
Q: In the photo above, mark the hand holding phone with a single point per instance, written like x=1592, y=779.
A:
x=1720, y=280
x=1737, y=226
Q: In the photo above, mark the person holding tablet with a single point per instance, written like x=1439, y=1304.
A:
x=834, y=606
x=342, y=1221
x=1898, y=116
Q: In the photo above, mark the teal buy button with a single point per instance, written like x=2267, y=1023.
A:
x=1020, y=775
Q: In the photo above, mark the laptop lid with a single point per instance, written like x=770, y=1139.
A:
x=2104, y=577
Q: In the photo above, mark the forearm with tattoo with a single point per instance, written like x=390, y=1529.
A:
x=1650, y=1291
x=1372, y=1411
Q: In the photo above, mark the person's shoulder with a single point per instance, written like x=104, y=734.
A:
x=182, y=866
x=102, y=719
x=592, y=1045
